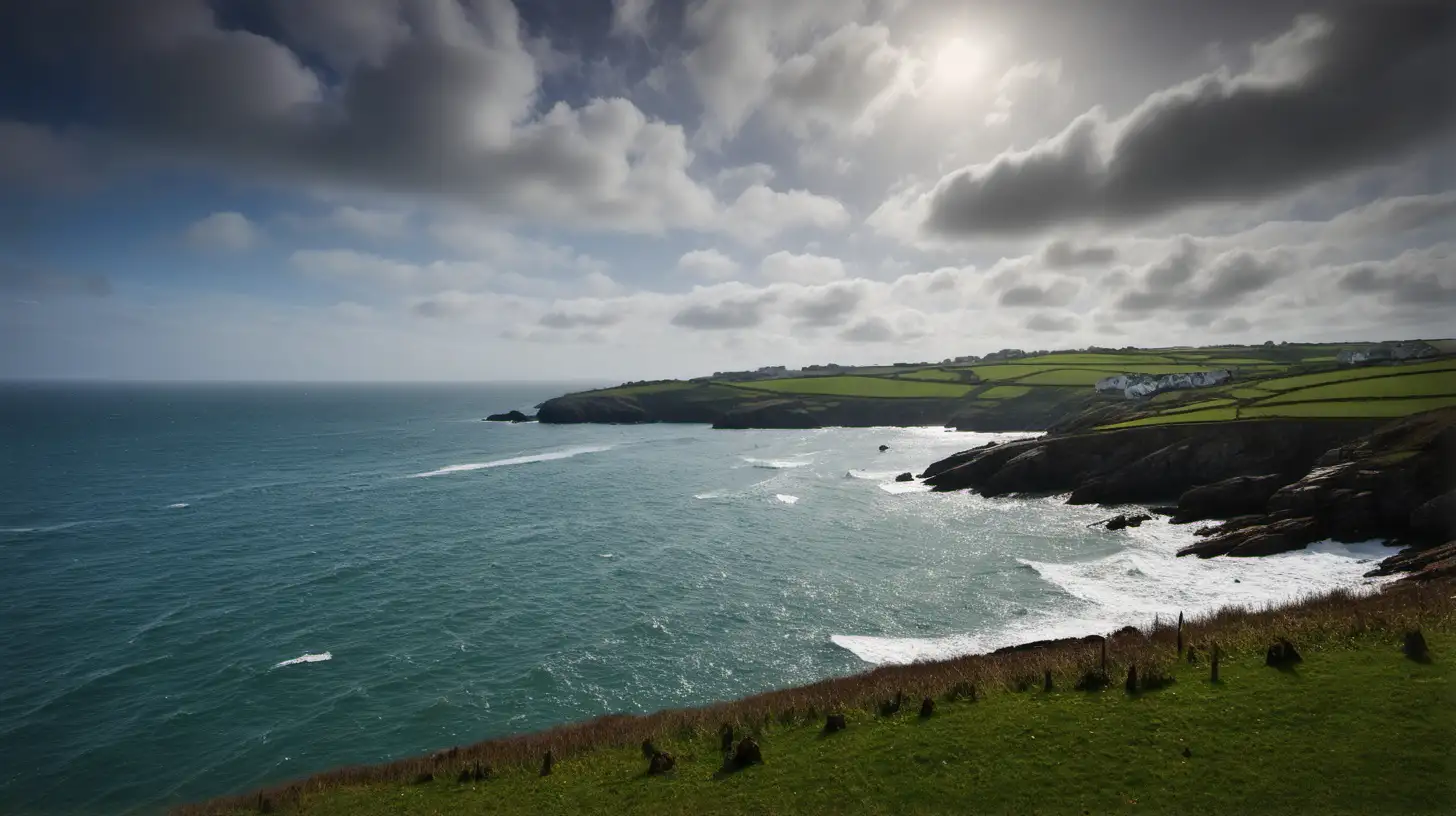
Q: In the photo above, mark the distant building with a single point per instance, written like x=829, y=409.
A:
x=1138, y=386
x=1386, y=352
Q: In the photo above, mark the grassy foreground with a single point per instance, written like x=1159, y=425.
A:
x=1356, y=728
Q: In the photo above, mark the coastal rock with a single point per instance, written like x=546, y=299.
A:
x=1422, y=563
x=1139, y=465
x=905, y=477
x=1235, y=496
x=510, y=416
x=577, y=408
x=1259, y=539
x=1437, y=517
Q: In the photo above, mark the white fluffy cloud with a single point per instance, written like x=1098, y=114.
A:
x=787, y=267
x=707, y=264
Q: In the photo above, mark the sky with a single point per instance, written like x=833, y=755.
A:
x=634, y=189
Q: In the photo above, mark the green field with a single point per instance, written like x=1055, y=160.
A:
x=1356, y=728
x=999, y=392
x=853, y=386
x=1367, y=392
x=932, y=374
x=1048, y=390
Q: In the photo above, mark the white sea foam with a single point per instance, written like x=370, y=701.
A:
x=178, y=505
x=786, y=499
x=308, y=658
x=64, y=525
x=564, y=453
x=904, y=487
x=775, y=464
x=1136, y=584
x=873, y=475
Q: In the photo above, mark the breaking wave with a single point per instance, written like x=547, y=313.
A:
x=564, y=453
x=308, y=658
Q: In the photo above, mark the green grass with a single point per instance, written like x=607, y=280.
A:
x=931, y=374
x=852, y=386
x=1208, y=415
x=1350, y=409
x=1356, y=373
x=1357, y=730
x=1083, y=377
x=1084, y=358
x=649, y=388
x=1004, y=392
x=1423, y=384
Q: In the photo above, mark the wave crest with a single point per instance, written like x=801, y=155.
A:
x=564, y=453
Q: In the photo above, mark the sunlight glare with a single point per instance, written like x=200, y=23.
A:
x=958, y=63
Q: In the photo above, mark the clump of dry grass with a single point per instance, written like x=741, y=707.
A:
x=1332, y=620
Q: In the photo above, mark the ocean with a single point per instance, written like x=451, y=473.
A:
x=207, y=588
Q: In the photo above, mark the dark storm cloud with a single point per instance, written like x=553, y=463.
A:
x=1052, y=323
x=405, y=96
x=733, y=313
x=1364, y=84
x=1189, y=280
x=1419, y=278
x=1063, y=254
x=828, y=306
x=869, y=330
x=1059, y=293
x=569, y=320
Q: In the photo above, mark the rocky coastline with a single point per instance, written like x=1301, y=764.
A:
x=1269, y=486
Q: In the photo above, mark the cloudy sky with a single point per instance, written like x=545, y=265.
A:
x=623, y=189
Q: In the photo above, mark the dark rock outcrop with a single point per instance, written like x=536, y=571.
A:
x=905, y=477
x=1235, y=496
x=747, y=753
x=1415, y=647
x=1436, y=518
x=661, y=763
x=510, y=416
x=1123, y=520
x=577, y=408
x=1138, y=465
x=1281, y=655
x=1284, y=483
x=1422, y=563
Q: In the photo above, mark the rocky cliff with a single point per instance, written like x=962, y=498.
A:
x=1278, y=485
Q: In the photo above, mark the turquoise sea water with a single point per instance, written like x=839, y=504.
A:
x=208, y=588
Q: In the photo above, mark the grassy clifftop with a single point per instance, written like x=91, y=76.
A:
x=1357, y=727
x=1030, y=393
